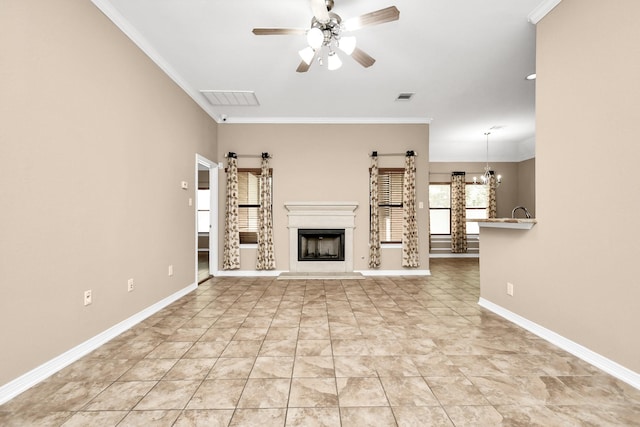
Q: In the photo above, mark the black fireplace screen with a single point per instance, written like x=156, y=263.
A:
x=320, y=245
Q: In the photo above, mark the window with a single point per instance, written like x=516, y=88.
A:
x=390, y=204
x=440, y=208
x=249, y=203
x=476, y=203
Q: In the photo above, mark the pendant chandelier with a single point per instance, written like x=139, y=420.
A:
x=485, y=179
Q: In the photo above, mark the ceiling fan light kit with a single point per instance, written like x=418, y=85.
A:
x=325, y=35
x=315, y=38
x=347, y=44
x=333, y=61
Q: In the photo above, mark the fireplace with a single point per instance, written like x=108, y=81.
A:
x=320, y=244
x=334, y=222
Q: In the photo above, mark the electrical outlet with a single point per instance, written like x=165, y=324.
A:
x=509, y=289
x=129, y=285
x=87, y=297
x=171, y=270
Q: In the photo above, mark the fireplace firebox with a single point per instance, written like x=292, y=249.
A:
x=320, y=244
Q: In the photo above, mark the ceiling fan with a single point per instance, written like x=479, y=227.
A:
x=326, y=35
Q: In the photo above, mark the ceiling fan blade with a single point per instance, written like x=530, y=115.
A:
x=319, y=8
x=279, y=31
x=303, y=67
x=362, y=57
x=381, y=16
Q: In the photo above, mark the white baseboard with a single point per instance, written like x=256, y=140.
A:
x=452, y=255
x=407, y=272
x=44, y=371
x=248, y=273
x=609, y=366
x=272, y=273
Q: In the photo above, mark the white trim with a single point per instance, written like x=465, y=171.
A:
x=522, y=224
x=272, y=273
x=390, y=245
x=134, y=35
x=248, y=273
x=609, y=366
x=44, y=371
x=394, y=272
x=214, y=235
x=213, y=212
x=541, y=11
x=331, y=120
x=454, y=255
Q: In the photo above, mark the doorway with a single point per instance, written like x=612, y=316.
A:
x=206, y=218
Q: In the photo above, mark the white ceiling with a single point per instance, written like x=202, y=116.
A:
x=466, y=61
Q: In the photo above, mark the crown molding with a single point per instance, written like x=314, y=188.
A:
x=134, y=35
x=541, y=11
x=330, y=120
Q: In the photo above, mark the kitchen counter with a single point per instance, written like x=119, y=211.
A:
x=513, y=223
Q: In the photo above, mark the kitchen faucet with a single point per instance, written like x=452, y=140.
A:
x=526, y=212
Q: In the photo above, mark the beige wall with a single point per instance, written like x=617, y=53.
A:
x=574, y=272
x=80, y=100
x=527, y=185
x=327, y=163
x=517, y=178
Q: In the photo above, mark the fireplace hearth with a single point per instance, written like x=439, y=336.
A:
x=320, y=244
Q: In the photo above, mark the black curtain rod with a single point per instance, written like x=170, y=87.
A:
x=407, y=153
x=467, y=172
x=255, y=156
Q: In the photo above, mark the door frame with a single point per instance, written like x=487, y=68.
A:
x=212, y=167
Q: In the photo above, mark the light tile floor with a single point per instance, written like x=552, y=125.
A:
x=382, y=351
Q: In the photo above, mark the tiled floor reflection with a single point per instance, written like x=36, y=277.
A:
x=381, y=351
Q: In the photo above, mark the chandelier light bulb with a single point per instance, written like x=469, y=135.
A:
x=333, y=62
x=485, y=178
x=315, y=37
x=347, y=44
x=307, y=54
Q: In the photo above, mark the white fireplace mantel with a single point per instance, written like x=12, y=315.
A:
x=321, y=215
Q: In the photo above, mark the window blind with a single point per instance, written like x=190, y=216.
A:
x=249, y=203
x=390, y=203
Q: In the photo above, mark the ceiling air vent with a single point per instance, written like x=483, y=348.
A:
x=241, y=98
x=406, y=96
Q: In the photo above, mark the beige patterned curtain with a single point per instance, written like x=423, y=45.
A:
x=374, y=225
x=493, y=204
x=409, y=224
x=231, y=252
x=458, y=213
x=266, y=256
